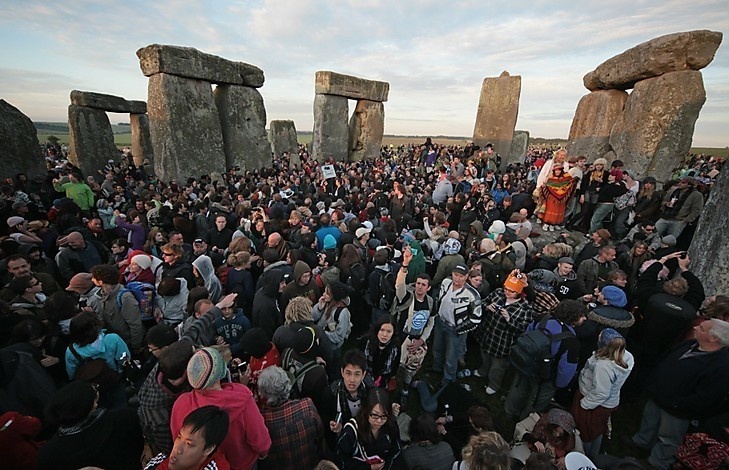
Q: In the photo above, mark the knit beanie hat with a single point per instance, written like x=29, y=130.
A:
x=303, y=340
x=614, y=296
x=205, y=368
x=514, y=283
x=605, y=336
x=143, y=261
x=255, y=342
x=330, y=242
x=451, y=246
x=80, y=283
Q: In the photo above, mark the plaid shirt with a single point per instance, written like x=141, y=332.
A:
x=296, y=430
x=496, y=335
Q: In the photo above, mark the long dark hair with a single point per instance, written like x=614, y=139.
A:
x=376, y=396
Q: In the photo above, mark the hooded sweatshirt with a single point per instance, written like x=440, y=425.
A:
x=204, y=266
x=266, y=312
x=173, y=307
x=601, y=380
x=107, y=346
x=295, y=289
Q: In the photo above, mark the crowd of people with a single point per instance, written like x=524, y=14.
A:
x=275, y=318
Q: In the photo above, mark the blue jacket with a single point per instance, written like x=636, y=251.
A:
x=566, y=352
x=108, y=346
x=323, y=232
x=232, y=329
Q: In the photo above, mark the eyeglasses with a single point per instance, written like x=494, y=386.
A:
x=168, y=254
x=377, y=417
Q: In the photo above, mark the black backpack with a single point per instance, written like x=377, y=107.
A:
x=532, y=353
x=387, y=291
x=297, y=371
x=357, y=279
x=95, y=371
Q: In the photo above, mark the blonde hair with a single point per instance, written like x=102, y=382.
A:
x=298, y=310
x=240, y=259
x=487, y=451
x=239, y=244
x=563, y=250
x=613, y=351
x=677, y=286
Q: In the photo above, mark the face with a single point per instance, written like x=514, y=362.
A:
x=35, y=286
x=76, y=243
x=459, y=280
x=95, y=225
x=510, y=294
x=220, y=223
x=421, y=287
x=199, y=248
x=564, y=268
x=228, y=311
x=701, y=331
x=19, y=268
x=134, y=268
x=385, y=333
x=159, y=238
x=116, y=249
x=189, y=450
x=304, y=279
x=352, y=376
x=609, y=255
x=177, y=239
x=377, y=417
x=640, y=250
x=476, y=281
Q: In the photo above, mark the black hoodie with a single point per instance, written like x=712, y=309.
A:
x=266, y=312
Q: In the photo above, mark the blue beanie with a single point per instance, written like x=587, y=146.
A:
x=330, y=242
x=615, y=296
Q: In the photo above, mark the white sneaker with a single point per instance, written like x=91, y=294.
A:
x=545, y=227
x=551, y=228
x=476, y=373
x=490, y=391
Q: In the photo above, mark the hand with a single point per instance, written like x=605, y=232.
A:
x=87, y=309
x=227, y=301
x=245, y=376
x=335, y=427
x=395, y=409
x=415, y=345
x=219, y=340
x=407, y=256
x=505, y=314
x=683, y=263
x=582, y=199
x=49, y=361
x=539, y=446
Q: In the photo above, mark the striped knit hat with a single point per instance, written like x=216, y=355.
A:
x=205, y=368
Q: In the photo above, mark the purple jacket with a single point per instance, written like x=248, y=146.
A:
x=139, y=233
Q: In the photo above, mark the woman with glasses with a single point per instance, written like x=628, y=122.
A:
x=174, y=264
x=371, y=441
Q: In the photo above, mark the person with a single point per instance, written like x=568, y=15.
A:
x=89, y=435
x=240, y=279
x=203, y=267
x=556, y=192
x=426, y=449
x=382, y=350
x=247, y=439
x=554, y=434
x=20, y=265
x=297, y=316
x=507, y=317
x=303, y=284
x=529, y=394
x=230, y=328
x=381, y=284
x=263, y=354
x=294, y=425
x=29, y=300
x=414, y=319
x=219, y=237
x=459, y=311
x=331, y=314
x=609, y=312
x=590, y=189
x=371, y=441
x=687, y=385
x=350, y=390
x=680, y=207
x=485, y=451
x=197, y=445
x=135, y=230
x=266, y=312
x=76, y=256
x=443, y=189
x=76, y=190
x=593, y=272
x=119, y=308
x=174, y=264
x=600, y=382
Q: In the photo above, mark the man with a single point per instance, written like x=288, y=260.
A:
x=381, y=284
x=247, y=439
x=119, y=308
x=562, y=281
x=266, y=312
x=444, y=189
x=687, y=385
x=176, y=238
x=599, y=238
x=680, y=207
x=350, y=390
x=325, y=230
x=174, y=264
x=520, y=219
x=648, y=229
x=76, y=256
x=593, y=272
x=294, y=425
x=200, y=247
x=302, y=285
x=76, y=190
x=400, y=204
x=451, y=257
x=219, y=238
x=230, y=327
x=19, y=266
x=362, y=236
x=413, y=316
x=459, y=311
x=276, y=242
x=530, y=393
x=28, y=299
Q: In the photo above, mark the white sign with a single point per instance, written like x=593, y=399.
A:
x=328, y=171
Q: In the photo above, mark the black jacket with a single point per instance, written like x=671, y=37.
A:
x=266, y=313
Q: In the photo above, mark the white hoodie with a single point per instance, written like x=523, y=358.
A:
x=601, y=380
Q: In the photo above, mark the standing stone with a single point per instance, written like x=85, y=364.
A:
x=285, y=139
x=185, y=127
x=594, y=118
x=142, y=148
x=498, y=108
x=19, y=141
x=243, y=122
x=692, y=50
x=655, y=130
x=331, y=131
x=519, y=147
x=366, y=129
x=91, y=140
x=709, y=257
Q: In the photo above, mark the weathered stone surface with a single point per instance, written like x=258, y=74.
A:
x=498, y=108
x=332, y=83
x=366, y=129
x=519, y=146
x=284, y=139
x=594, y=118
x=655, y=130
x=91, y=140
x=192, y=63
x=692, y=50
x=331, y=131
x=142, y=148
x=19, y=141
x=114, y=104
x=243, y=122
x=185, y=127
x=709, y=257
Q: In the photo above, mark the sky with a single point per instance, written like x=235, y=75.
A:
x=434, y=54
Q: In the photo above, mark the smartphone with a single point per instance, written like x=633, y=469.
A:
x=683, y=255
x=373, y=460
x=339, y=418
x=242, y=366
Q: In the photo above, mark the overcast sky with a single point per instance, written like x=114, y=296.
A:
x=434, y=54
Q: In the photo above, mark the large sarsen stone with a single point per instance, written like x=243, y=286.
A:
x=284, y=139
x=594, y=118
x=19, y=143
x=366, y=129
x=243, y=122
x=91, y=140
x=331, y=132
x=498, y=109
x=111, y=103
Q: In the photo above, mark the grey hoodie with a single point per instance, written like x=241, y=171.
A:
x=204, y=266
x=601, y=380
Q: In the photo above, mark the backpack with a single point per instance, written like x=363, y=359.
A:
x=95, y=371
x=357, y=279
x=532, y=353
x=145, y=294
x=335, y=322
x=387, y=291
x=297, y=371
x=529, y=259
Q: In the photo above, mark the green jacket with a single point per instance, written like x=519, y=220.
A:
x=79, y=192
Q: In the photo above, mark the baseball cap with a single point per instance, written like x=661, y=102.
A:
x=199, y=241
x=15, y=220
x=460, y=269
x=361, y=231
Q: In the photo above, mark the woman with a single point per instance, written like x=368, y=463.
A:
x=485, y=451
x=382, y=351
x=88, y=342
x=140, y=270
x=332, y=315
x=553, y=434
x=298, y=315
x=631, y=262
x=155, y=241
x=203, y=267
x=240, y=279
x=371, y=441
x=427, y=449
x=606, y=199
x=556, y=192
x=599, y=394
x=119, y=253
x=506, y=316
x=590, y=188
